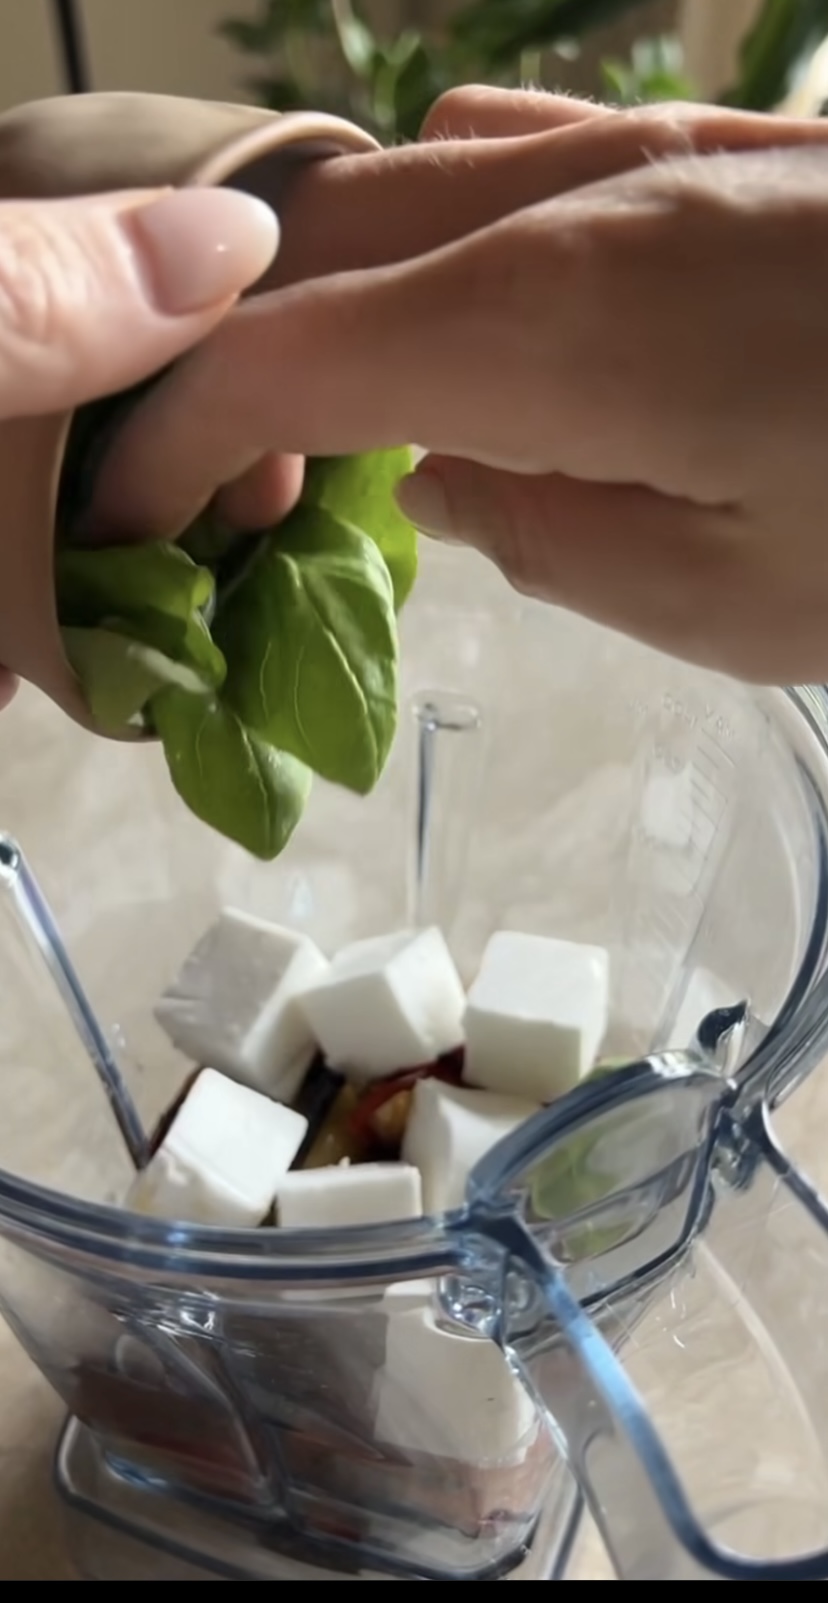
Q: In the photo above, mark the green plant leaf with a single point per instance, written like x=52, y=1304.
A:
x=263, y=33
x=563, y=1183
x=416, y=87
x=360, y=490
x=306, y=613
x=209, y=540
x=654, y=72
x=310, y=640
x=229, y=777
x=129, y=580
x=569, y=1181
x=251, y=37
x=118, y=675
x=278, y=94
x=782, y=39
x=356, y=40
x=186, y=641
x=499, y=33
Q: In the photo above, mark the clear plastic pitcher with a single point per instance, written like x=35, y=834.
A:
x=629, y=1313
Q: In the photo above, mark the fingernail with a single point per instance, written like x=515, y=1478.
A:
x=195, y=247
x=423, y=500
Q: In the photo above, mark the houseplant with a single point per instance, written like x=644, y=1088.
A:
x=327, y=54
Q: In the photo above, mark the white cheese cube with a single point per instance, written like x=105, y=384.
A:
x=449, y=1131
x=359, y=1194
x=234, y=1005
x=392, y=1002
x=222, y=1158
x=404, y=1295
x=450, y=1394
x=536, y=1015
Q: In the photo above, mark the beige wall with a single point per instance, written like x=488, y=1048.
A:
x=712, y=31
x=165, y=45
x=28, y=65
x=170, y=46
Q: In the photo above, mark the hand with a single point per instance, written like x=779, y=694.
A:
x=624, y=387
x=487, y=154
x=96, y=294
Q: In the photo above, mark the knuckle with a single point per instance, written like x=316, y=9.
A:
x=668, y=131
x=514, y=518
x=454, y=113
x=46, y=278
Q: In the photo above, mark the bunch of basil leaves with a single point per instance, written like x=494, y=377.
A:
x=257, y=661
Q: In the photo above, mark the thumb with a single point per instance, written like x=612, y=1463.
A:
x=627, y=557
x=97, y=293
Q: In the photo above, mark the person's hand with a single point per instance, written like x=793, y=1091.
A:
x=486, y=154
x=98, y=293
x=624, y=387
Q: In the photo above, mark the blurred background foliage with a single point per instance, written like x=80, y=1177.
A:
x=351, y=57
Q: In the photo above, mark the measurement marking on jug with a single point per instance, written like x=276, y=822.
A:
x=672, y=867
x=707, y=792
x=703, y=786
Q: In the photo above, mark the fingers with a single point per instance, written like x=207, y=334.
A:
x=549, y=341
x=374, y=210
x=350, y=360
x=369, y=210
x=97, y=293
x=626, y=557
x=496, y=347
x=475, y=111
x=264, y=495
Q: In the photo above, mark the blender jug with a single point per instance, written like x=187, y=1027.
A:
x=628, y=1310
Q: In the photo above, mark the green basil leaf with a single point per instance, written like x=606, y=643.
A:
x=129, y=580
x=230, y=778
x=310, y=639
x=209, y=539
x=570, y=1180
x=360, y=490
x=118, y=675
x=566, y=1181
x=186, y=641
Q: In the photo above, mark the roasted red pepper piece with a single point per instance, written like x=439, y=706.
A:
x=361, y=1122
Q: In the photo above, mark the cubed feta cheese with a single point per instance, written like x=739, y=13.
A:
x=388, y=1003
x=449, y=1131
x=450, y=1394
x=233, y=1004
x=536, y=1015
x=403, y=1295
x=357, y=1194
x=222, y=1158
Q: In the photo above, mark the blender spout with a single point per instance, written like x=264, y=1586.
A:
x=721, y=1036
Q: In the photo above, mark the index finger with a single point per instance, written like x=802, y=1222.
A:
x=478, y=111
x=525, y=346
x=472, y=350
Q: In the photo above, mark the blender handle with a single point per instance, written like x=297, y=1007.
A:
x=604, y=1433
